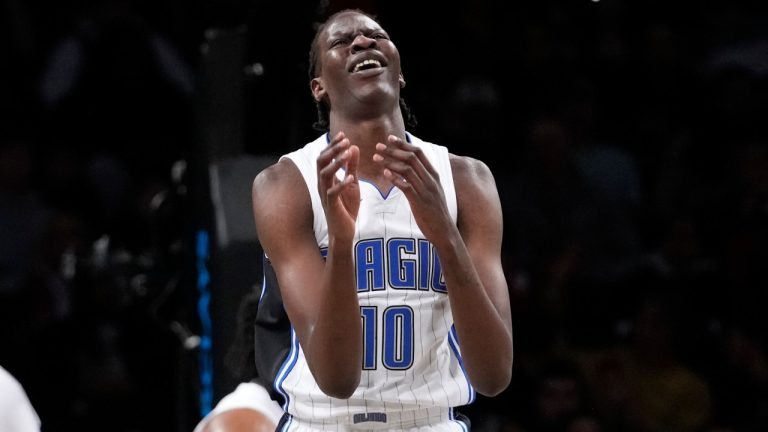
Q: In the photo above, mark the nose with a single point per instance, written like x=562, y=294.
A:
x=362, y=42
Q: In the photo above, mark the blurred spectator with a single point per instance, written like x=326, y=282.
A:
x=546, y=209
x=23, y=221
x=745, y=226
x=23, y=215
x=113, y=47
x=741, y=382
x=644, y=387
x=115, y=88
x=609, y=172
x=559, y=401
x=584, y=422
x=742, y=40
x=474, y=114
x=573, y=210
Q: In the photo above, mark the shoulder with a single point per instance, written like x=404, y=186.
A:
x=294, y=166
x=468, y=171
x=280, y=188
x=282, y=172
x=476, y=194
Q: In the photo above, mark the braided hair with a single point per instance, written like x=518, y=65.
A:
x=323, y=106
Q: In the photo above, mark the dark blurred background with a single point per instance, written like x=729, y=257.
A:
x=628, y=140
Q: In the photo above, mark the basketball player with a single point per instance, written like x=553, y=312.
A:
x=386, y=251
x=250, y=407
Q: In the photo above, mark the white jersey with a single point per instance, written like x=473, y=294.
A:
x=412, y=368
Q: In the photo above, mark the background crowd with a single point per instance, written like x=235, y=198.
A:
x=628, y=139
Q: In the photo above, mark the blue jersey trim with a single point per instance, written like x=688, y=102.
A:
x=452, y=417
x=286, y=368
x=287, y=425
x=453, y=341
x=328, y=137
x=383, y=194
x=263, y=280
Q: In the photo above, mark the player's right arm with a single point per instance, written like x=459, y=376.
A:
x=319, y=296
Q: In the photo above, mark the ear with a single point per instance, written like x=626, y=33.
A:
x=318, y=89
x=402, y=81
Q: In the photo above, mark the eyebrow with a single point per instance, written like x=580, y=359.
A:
x=348, y=32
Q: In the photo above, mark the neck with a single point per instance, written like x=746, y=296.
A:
x=365, y=129
x=365, y=134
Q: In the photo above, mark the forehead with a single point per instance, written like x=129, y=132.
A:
x=351, y=22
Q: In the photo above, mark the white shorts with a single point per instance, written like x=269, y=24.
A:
x=247, y=395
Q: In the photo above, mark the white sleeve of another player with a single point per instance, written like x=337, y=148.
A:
x=246, y=395
x=16, y=412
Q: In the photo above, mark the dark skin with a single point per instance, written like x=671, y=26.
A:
x=368, y=141
x=241, y=420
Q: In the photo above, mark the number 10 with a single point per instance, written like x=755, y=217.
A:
x=397, y=346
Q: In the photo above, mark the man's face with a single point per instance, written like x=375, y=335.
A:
x=358, y=65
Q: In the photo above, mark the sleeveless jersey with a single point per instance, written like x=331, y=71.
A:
x=411, y=360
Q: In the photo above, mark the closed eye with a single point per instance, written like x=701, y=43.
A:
x=337, y=42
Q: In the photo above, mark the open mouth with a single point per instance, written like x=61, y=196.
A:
x=365, y=65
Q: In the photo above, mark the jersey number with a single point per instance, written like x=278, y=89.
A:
x=397, y=343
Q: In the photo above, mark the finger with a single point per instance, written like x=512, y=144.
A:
x=399, y=181
x=353, y=161
x=337, y=138
x=327, y=172
x=339, y=186
x=403, y=171
x=403, y=149
x=405, y=164
x=396, y=170
x=339, y=143
x=330, y=169
x=408, y=154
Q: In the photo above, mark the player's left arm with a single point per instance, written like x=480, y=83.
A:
x=475, y=279
x=469, y=251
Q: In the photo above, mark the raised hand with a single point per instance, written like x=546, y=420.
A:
x=408, y=168
x=340, y=198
